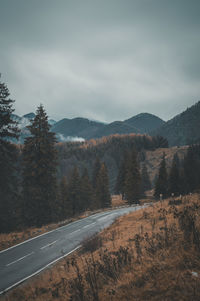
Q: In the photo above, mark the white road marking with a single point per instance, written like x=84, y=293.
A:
x=50, y=244
x=92, y=224
x=58, y=229
x=38, y=271
x=86, y=226
x=19, y=259
x=75, y=231
x=102, y=218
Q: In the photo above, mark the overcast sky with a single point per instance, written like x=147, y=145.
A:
x=101, y=59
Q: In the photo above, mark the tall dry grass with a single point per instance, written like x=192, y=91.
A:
x=151, y=254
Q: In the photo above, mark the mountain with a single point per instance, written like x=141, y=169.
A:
x=29, y=116
x=116, y=127
x=183, y=129
x=88, y=129
x=77, y=127
x=145, y=122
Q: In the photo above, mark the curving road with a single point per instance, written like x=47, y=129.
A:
x=27, y=259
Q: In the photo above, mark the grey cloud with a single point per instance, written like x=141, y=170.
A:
x=105, y=60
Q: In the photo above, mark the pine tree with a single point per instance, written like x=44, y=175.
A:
x=192, y=169
x=65, y=207
x=146, y=183
x=161, y=185
x=96, y=169
x=8, y=158
x=133, y=180
x=74, y=194
x=174, y=177
x=102, y=188
x=39, y=172
x=87, y=193
x=121, y=178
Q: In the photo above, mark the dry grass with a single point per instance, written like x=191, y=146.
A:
x=151, y=254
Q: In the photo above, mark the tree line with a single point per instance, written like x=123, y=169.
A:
x=132, y=181
x=30, y=192
x=183, y=176
x=33, y=189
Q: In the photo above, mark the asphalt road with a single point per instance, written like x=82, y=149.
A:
x=27, y=259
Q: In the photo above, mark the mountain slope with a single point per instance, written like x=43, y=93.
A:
x=87, y=129
x=145, y=122
x=116, y=127
x=183, y=129
x=79, y=127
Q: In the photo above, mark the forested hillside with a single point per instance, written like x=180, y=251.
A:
x=183, y=129
x=110, y=150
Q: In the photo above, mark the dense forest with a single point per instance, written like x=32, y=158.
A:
x=109, y=149
x=183, y=176
x=44, y=181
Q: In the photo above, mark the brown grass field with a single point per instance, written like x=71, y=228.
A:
x=151, y=254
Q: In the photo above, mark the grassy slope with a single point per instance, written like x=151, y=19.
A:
x=152, y=254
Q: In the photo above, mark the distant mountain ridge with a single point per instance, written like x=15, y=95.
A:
x=78, y=129
x=183, y=129
x=87, y=129
x=145, y=122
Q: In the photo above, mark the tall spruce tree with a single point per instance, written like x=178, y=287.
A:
x=8, y=158
x=174, y=177
x=161, y=185
x=133, y=179
x=87, y=192
x=121, y=177
x=96, y=169
x=102, y=188
x=65, y=206
x=192, y=169
x=74, y=188
x=39, y=172
x=145, y=183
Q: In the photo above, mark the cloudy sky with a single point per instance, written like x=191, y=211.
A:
x=101, y=59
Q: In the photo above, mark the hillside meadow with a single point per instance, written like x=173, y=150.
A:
x=151, y=254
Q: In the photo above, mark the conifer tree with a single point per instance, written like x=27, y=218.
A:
x=161, y=185
x=133, y=180
x=87, y=193
x=74, y=188
x=65, y=206
x=174, y=177
x=39, y=172
x=146, y=183
x=96, y=169
x=192, y=168
x=102, y=188
x=8, y=158
x=121, y=178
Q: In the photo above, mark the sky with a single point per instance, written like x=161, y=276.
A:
x=101, y=59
